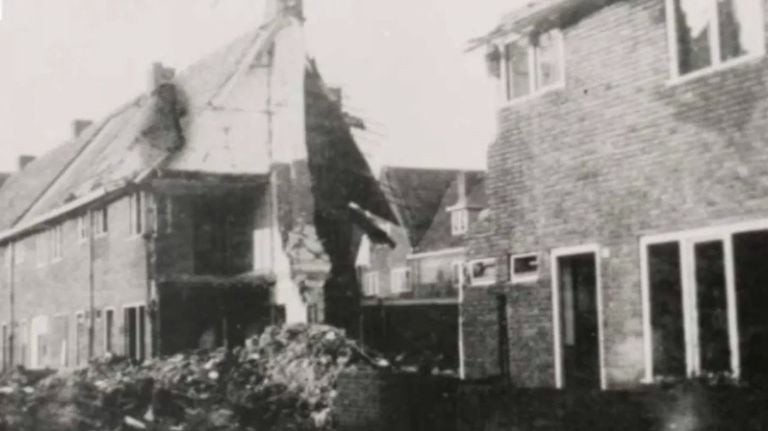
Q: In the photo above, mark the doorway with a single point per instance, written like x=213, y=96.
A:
x=576, y=295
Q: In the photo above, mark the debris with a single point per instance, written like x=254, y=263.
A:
x=283, y=379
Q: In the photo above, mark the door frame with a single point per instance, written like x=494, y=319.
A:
x=555, y=254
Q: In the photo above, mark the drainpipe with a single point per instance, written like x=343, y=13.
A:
x=91, y=289
x=12, y=300
x=153, y=304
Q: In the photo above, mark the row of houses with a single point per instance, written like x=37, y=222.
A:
x=618, y=238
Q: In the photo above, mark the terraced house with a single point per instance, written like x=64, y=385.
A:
x=187, y=217
x=629, y=192
x=411, y=292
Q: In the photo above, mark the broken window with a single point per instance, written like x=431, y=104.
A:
x=712, y=32
x=549, y=60
x=666, y=301
x=523, y=268
x=712, y=310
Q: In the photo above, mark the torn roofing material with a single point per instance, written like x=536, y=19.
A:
x=538, y=16
x=219, y=134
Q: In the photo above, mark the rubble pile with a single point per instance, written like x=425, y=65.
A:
x=283, y=379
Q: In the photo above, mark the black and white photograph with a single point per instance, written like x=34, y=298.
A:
x=384, y=215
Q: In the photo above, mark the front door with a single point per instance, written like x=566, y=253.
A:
x=576, y=283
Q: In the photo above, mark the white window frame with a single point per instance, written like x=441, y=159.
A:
x=100, y=221
x=56, y=242
x=534, y=88
x=403, y=274
x=686, y=239
x=136, y=214
x=525, y=277
x=459, y=221
x=83, y=227
x=714, y=43
x=554, y=256
x=457, y=266
x=482, y=281
x=371, y=283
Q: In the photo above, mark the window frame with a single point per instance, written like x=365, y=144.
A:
x=100, y=221
x=83, y=228
x=714, y=41
x=685, y=238
x=535, y=89
x=136, y=214
x=488, y=281
x=371, y=284
x=524, y=277
x=459, y=221
x=56, y=242
x=394, y=274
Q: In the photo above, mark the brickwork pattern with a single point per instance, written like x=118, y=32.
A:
x=619, y=152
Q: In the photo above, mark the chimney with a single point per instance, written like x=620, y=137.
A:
x=24, y=160
x=274, y=8
x=78, y=126
x=461, y=188
x=160, y=75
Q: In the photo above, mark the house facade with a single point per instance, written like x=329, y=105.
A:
x=186, y=218
x=629, y=193
x=411, y=288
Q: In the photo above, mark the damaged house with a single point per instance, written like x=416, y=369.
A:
x=629, y=189
x=412, y=291
x=226, y=197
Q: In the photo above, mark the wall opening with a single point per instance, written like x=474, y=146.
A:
x=666, y=300
x=751, y=267
x=579, y=320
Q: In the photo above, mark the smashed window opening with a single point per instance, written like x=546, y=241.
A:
x=135, y=332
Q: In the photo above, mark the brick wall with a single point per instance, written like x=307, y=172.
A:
x=619, y=152
x=58, y=288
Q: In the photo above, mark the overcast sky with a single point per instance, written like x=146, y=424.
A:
x=400, y=63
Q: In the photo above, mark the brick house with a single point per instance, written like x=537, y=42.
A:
x=629, y=192
x=411, y=288
x=187, y=217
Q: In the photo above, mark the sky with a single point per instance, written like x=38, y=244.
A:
x=401, y=64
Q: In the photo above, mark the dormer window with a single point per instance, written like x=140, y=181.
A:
x=533, y=65
x=459, y=221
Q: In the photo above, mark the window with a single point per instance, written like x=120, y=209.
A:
x=109, y=330
x=459, y=221
x=262, y=249
x=457, y=273
x=82, y=228
x=56, y=241
x=164, y=219
x=136, y=213
x=371, y=283
x=705, y=298
x=533, y=66
x=524, y=268
x=100, y=218
x=482, y=272
x=708, y=33
x=400, y=280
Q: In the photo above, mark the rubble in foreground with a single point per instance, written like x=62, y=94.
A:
x=282, y=380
